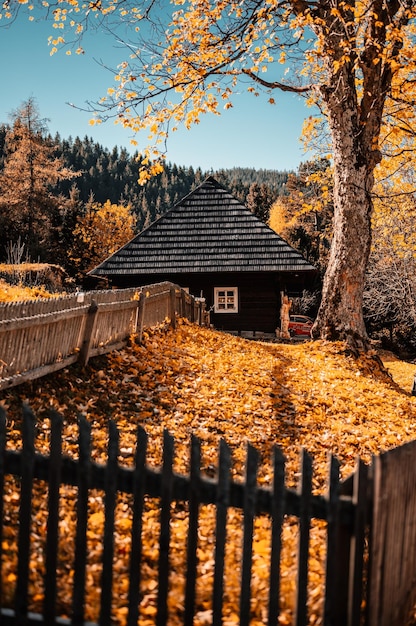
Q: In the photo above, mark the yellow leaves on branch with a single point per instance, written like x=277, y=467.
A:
x=203, y=44
x=147, y=170
x=195, y=380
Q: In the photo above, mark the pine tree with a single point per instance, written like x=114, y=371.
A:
x=31, y=169
x=259, y=199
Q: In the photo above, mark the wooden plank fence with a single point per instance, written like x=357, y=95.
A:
x=392, y=585
x=41, y=336
x=344, y=509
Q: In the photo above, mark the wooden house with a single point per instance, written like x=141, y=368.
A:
x=214, y=246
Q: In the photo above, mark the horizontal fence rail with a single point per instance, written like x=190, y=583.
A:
x=42, y=336
x=343, y=509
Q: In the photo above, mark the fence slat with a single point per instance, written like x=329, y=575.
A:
x=141, y=310
x=164, y=538
x=222, y=502
x=80, y=560
x=108, y=540
x=331, y=599
x=303, y=548
x=3, y=423
x=277, y=514
x=138, y=491
x=172, y=306
x=25, y=515
x=51, y=557
x=357, y=543
x=192, y=541
x=250, y=497
x=84, y=354
x=183, y=304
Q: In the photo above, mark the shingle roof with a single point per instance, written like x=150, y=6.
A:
x=209, y=230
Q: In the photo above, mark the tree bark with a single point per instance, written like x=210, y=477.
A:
x=354, y=110
x=340, y=315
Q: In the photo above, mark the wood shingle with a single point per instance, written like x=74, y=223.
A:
x=215, y=247
x=207, y=231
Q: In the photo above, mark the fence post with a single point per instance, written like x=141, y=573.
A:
x=183, y=303
x=140, y=316
x=222, y=502
x=172, y=306
x=81, y=551
x=205, y=315
x=25, y=516
x=3, y=438
x=84, y=354
x=345, y=547
x=52, y=535
x=333, y=514
x=360, y=500
x=305, y=515
x=193, y=304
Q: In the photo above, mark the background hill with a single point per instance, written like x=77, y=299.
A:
x=112, y=174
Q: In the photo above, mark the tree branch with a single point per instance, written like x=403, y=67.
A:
x=276, y=84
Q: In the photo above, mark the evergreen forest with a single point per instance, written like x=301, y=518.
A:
x=112, y=174
x=52, y=190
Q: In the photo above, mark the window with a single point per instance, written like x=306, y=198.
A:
x=225, y=300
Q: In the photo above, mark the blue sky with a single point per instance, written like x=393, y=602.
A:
x=251, y=134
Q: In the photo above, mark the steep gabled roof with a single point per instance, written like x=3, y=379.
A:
x=207, y=231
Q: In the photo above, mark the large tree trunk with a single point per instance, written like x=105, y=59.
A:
x=340, y=315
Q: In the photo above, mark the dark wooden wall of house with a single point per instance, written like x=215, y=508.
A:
x=259, y=295
x=258, y=306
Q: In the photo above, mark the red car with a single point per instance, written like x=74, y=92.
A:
x=300, y=325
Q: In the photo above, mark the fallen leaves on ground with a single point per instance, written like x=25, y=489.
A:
x=195, y=380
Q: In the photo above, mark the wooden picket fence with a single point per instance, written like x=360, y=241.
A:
x=41, y=336
x=370, y=531
x=344, y=509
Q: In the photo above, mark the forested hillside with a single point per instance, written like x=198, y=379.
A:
x=112, y=174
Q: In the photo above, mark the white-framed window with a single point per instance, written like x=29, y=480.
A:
x=225, y=299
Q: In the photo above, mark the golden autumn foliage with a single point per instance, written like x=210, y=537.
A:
x=21, y=281
x=390, y=295
x=195, y=380
x=99, y=232
x=354, y=60
x=10, y=293
x=303, y=215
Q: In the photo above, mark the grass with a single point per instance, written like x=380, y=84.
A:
x=27, y=281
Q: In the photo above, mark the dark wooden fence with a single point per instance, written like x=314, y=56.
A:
x=344, y=509
x=41, y=336
x=392, y=583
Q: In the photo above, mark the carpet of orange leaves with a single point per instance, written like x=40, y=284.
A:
x=195, y=380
